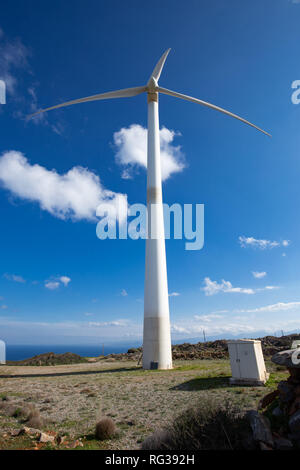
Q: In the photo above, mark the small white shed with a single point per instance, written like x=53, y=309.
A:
x=2, y=352
x=247, y=362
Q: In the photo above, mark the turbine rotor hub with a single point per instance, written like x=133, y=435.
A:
x=152, y=85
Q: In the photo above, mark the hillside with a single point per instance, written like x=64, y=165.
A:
x=209, y=350
x=212, y=349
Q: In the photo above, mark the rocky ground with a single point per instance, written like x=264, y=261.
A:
x=213, y=349
x=71, y=398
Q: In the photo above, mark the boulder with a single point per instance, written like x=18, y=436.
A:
x=44, y=437
x=260, y=427
x=294, y=422
x=286, y=358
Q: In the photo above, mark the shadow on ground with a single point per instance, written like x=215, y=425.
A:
x=80, y=372
x=204, y=383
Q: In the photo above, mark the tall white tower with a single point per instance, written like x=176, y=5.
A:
x=157, y=353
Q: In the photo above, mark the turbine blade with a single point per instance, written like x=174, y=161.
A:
x=209, y=105
x=159, y=66
x=125, y=93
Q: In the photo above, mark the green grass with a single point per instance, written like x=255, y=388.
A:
x=275, y=378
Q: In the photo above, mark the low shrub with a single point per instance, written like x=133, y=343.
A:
x=105, y=429
x=209, y=426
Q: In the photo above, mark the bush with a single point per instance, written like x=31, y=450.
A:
x=159, y=440
x=210, y=426
x=9, y=410
x=132, y=350
x=105, y=429
x=36, y=422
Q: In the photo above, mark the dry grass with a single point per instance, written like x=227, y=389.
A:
x=138, y=401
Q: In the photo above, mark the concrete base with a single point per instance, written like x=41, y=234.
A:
x=253, y=382
x=157, y=352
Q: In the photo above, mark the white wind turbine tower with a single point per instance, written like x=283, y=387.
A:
x=157, y=351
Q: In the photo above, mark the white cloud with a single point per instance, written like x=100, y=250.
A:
x=280, y=306
x=179, y=329
x=208, y=318
x=124, y=293
x=3, y=307
x=174, y=294
x=259, y=274
x=73, y=195
x=56, y=282
x=14, y=277
x=65, y=280
x=212, y=287
x=52, y=285
x=108, y=323
x=131, y=143
x=13, y=57
x=260, y=243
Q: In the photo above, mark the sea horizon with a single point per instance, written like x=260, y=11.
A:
x=19, y=352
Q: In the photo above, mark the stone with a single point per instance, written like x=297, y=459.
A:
x=294, y=406
x=269, y=398
x=61, y=439
x=282, y=444
x=264, y=446
x=75, y=444
x=16, y=432
x=46, y=438
x=260, y=427
x=30, y=431
x=277, y=411
x=294, y=422
x=286, y=358
x=286, y=391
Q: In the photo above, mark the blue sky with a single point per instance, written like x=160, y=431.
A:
x=58, y=282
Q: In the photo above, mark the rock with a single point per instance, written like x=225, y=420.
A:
x=260, y=427
x=264, y=446
x=30, y=431
x=277, y=411
x=294, y=406
x=294, y=422
x=75, y=444
x=267, y=399
x=282, y=444
x=60, y=439
x=16, y=432
x=286, y=358
x=286, y=391
x=46, y=438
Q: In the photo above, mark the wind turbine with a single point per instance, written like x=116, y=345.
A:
x=157, y=353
